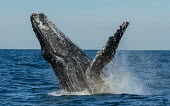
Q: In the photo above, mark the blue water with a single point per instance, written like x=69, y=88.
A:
x=136, y=77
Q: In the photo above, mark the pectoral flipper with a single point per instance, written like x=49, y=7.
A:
x=106, y=54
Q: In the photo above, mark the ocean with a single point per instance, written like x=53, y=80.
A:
x=136, y=78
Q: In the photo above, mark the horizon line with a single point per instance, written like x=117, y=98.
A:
x=89, y=49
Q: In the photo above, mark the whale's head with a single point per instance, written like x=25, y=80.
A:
x=68, y=61
x=53, y=42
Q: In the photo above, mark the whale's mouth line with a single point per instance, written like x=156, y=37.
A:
x=35, y=27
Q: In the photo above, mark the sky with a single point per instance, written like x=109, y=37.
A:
x=88, y=23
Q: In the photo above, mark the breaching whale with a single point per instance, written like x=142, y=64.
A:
x=74, y=69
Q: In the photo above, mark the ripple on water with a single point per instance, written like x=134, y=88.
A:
x=27, y=79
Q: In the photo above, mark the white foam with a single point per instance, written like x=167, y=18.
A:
x=62, y=92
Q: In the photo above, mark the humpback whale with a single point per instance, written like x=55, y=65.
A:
x=74, y=69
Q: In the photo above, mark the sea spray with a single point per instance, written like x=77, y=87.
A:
x=126, y=75
x=121, y=80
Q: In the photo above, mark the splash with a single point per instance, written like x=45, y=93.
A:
x=62, y=92
x=121, y=80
